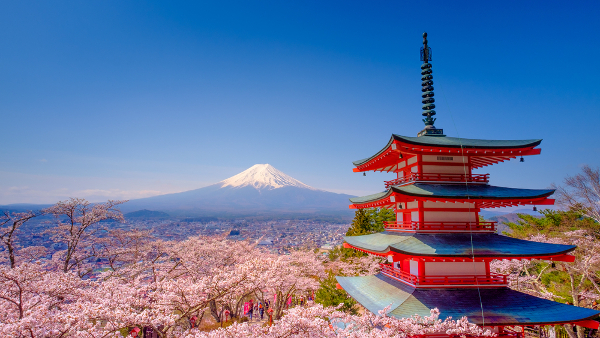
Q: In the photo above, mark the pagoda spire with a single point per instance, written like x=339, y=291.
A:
x=427, y=95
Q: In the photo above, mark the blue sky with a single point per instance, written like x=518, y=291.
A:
x=125, y=99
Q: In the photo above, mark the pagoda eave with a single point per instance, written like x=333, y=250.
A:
x=483, y=196
x=498, y=306
x=480, y=203
x=459, y=246
x=400, y=255
x=397, y=148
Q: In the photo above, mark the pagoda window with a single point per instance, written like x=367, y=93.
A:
x=446, y=169
x=429, y=204
x=412, y=205
x=455, y=268
x=412, y=160
x=414, y=268
x=443, y=216
x=446, y=159
x=414, y=216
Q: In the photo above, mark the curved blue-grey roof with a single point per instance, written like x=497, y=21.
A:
x=371, y=198
x=461, y=191
x=455, y=142
x=365, y=160
x=474, y=191
x=455, y=245
x=501, y=306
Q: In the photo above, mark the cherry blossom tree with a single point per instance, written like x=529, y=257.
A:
x=581, y=192
x=9, y=225
x=120, y=247
x=75, y=219
x=36, y=302
x=284, y=276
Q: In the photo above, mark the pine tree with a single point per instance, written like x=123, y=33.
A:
x=361, y=224
x=329, y=295
x=367, y=221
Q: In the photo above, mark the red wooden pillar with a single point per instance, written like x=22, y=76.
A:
x=421, y=266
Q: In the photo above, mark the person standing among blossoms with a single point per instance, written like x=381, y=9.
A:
x=250, y=309
x=261, y=310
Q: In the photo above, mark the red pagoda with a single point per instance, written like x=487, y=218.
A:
x=438, y=251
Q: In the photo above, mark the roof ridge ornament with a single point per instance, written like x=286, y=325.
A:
x=427, y=93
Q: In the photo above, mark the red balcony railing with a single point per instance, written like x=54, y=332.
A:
x=471, y=178
x=444, y=281
x=441, y=226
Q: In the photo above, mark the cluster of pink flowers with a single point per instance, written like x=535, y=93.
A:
x=328, y=322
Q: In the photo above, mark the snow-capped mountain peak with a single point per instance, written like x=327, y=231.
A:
x=263, y=176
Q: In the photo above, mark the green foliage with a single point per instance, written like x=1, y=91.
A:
x=559, y=284
x=554, y=223
x=370, y=221
x=361, y=224
x=367, y=221
x=335, y=253
x=329, y=295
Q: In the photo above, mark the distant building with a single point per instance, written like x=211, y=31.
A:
x=265, y=242
x=327, y=247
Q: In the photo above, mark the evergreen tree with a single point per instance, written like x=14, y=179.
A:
x=367, y=221
x=378, y=216
x=329, y=295
x=361, y=224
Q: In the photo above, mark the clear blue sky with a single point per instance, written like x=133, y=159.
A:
x=125, y=99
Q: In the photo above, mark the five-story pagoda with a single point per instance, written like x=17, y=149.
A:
x=438, y=250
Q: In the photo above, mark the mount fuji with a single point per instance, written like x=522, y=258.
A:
x=259, y=190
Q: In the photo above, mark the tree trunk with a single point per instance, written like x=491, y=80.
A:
x=575, y=295
x=11, y=256
x=213, y=310
x=570, y=331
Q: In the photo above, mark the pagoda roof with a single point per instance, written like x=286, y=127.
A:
x=455, y=245
x=500, y=306
x=455, y=142
x=456, y=191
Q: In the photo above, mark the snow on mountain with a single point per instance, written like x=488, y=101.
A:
x=263, y=176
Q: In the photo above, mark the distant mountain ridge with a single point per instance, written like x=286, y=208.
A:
x=147, y=214
x=259, y=190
